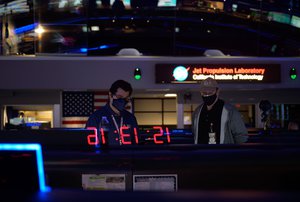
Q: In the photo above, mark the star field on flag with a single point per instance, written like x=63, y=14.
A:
x=78, y=106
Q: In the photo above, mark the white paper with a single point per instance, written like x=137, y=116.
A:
x=114, y=182
x=163, y=182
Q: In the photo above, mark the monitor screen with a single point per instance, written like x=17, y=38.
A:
x=22, y=167
x=166, y=3
x=53, y=139
x=12, y=177
x=125, y=2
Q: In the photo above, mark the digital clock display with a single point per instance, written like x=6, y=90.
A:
x=158, y=135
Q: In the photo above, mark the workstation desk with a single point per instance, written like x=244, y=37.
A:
x=264, y=170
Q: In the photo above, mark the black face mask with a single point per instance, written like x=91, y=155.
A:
x=209, y=100
x=119, y=104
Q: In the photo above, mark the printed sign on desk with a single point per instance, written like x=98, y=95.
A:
x=164, y=182
x=114, y=182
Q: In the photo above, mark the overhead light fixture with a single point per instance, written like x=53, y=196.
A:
x=157, y=90
x=95, y=28
x=213, y=53
x=39, y=30
x=171, y=95
x=129, y=52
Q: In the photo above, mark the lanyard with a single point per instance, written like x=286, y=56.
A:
x=117, y=127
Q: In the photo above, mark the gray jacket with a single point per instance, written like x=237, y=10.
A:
x=232, y=131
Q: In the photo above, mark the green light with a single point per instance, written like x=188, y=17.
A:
x=293, y=73
x=293, y=77
x=137, y=74
x=137, y=77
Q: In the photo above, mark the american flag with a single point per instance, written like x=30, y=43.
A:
x=78, y=106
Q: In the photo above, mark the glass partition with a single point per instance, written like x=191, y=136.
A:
x=153, y=27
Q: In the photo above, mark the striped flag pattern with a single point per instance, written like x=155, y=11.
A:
x=78, y=106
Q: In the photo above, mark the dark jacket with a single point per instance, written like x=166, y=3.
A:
x=104, y=118
x=233, y=130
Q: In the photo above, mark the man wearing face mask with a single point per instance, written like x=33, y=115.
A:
x=215, y=121
x=114, y=119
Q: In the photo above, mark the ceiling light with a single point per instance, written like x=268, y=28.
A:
x=170, y=95
x=95, y=28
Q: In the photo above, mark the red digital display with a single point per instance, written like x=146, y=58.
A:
x=93, y=139
x=125, y=137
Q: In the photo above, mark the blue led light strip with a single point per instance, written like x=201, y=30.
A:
x=39, y=158
x=26, y=28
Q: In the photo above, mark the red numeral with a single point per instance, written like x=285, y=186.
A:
x=136, y=136
x=168, y=135
x=123, y=135
x=102, y=135
x=161, y=132
x=92, y=137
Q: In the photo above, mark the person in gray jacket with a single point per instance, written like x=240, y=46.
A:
x=217, y=122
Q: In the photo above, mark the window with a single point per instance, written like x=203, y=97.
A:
x=28, y=116
x=155, y=111
x=181, y=28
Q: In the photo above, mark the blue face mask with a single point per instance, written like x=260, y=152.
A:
x=119, y=104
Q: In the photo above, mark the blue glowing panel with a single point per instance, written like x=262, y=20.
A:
x=19, y=152
x=166, y=3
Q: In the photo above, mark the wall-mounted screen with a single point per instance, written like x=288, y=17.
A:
x=295, y=21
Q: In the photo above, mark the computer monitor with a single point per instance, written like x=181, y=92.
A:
x=167, y=3
x=22, y=168
x=125, y=2
x=53, y=139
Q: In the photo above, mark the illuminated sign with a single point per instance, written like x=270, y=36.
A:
x=194, y=73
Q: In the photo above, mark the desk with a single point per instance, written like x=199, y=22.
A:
x=199, y=167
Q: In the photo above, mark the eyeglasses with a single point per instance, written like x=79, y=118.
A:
x=121, y=96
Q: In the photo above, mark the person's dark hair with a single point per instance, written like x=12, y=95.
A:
x=124, y=85
x=265, y=106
